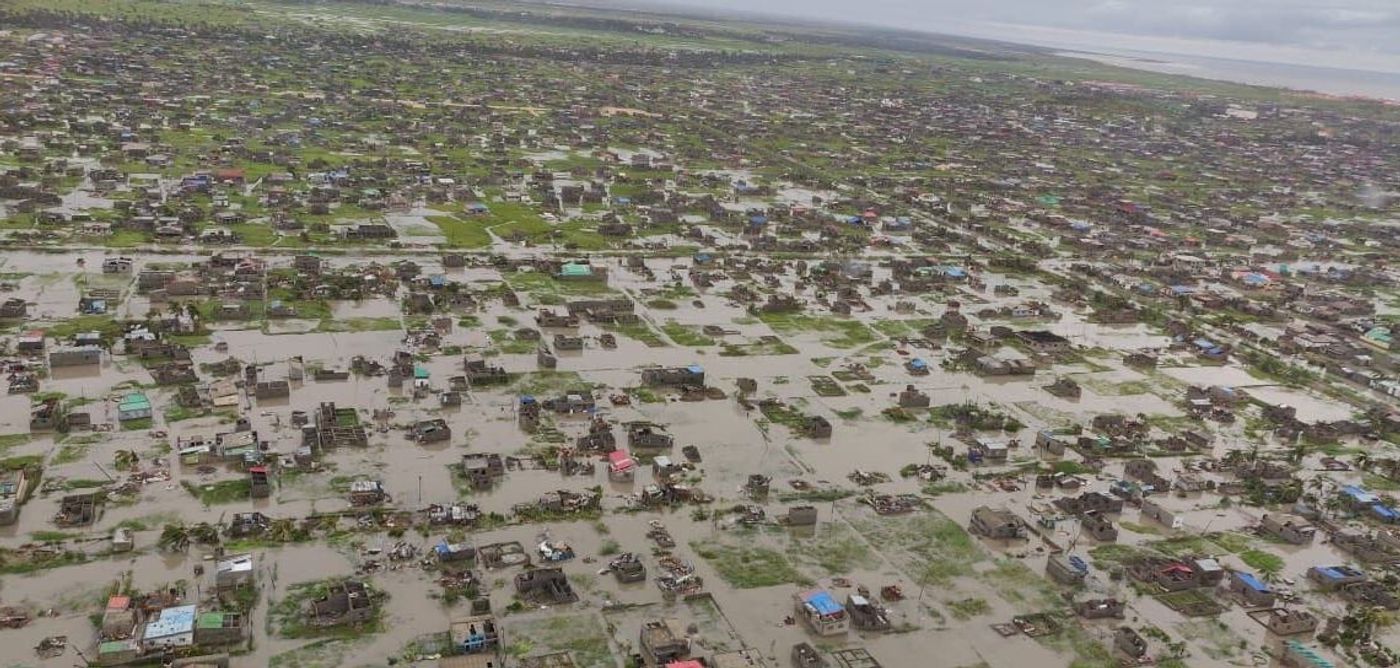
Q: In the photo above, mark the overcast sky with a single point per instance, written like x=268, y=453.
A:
x=1362, y=34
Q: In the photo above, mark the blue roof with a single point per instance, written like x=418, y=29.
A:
x=1385, y=512
x=1078, y=564
x=1359, y=494
x=1331, y=573
x=1182, y=289
x=954, y=272
x=527, y=399
x=1252, y=582
x=918, y=363
x=172, y=622
x=695, y=368
x=822, y=602
x=437, y=280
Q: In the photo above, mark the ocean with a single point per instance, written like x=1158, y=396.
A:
x=1329, y=80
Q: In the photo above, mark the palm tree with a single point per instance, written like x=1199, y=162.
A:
x=204, y=533
x=125, y=460
x=282, y=530
x=174, y=538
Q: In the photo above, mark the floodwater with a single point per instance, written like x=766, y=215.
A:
x=945, y=620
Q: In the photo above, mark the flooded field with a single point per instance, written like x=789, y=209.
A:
x=893, y=489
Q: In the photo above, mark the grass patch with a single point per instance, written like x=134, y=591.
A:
x=462, y=233
x=506, y=342
x=639, y=331
x=944, y=487
x=1264, y=562
x=773, y=347
x=833, y=331
x=224, y=491
x=359, y=325
x=548, y=382
x=686, y=335
x=8, y=441
x=748, y=566
x=929, y=547
x=583, y=636
x=896, y=329
x=968, y=608
x=835, y=549
x=139, y=424
x=70, y=453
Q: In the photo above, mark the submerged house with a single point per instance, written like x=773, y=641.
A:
x=820, y=611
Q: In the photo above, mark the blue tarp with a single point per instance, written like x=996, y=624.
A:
x=918, y=363
x=1332, y=573
x=1251, y=581
x=823, y=603
x=1359, y=495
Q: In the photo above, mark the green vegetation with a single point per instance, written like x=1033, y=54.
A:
x=833, y=331
x=290, y=617
x=638, y=331
x=686, y=335
x=968, y=608
x=508, y=343
x=896, y=329
x=69, y=453
x=973, y=416
x=461, y=233
x=224, y=491
x=834, y=549
x=748, y=566
x=928, y=547
x=583, y=636
x=1265, y=563
x=9, y=441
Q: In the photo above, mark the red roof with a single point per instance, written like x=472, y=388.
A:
x=119, y=603
x=688, y=663
x=619, y=460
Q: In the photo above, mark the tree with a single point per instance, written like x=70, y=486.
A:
x=204, y=533
x=174, y=538
x=125, y=460
x=282, y=530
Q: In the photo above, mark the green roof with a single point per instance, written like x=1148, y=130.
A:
x=575, y=270
x=210, y=620
x=114, y=646
x=1309, y=654
x=134, y=401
